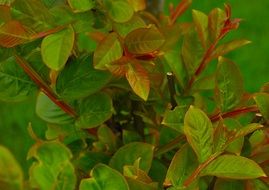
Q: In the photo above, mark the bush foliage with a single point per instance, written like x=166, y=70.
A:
x=127, y=98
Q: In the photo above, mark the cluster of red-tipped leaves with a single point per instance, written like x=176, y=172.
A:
x=128, y=93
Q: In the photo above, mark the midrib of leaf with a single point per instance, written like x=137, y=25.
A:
x=108, y=54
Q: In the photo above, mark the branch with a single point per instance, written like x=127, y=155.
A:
x=44, y=86
x=172, y=90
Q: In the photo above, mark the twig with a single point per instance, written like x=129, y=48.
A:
x=44, y=86
x=172, y=90
x=179, y=10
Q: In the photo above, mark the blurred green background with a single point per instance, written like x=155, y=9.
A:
x=252, y=59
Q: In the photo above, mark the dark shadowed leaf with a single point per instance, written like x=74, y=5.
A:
x=94, y=110
x=230, y=166
x=107, y=51
x=262, y=100
x=79, y=79
x=229, y=85
x=129, y=153
x=11, y=175
x=222, y=184
x=56, y=48
x=199, y=132
x=52, y=168
x=104, y=178
x=138, y=79
x=144, y=40
x=15, y=85
x=50, y=112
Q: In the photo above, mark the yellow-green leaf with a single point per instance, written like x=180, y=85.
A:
x=262, y=100
x=11, y=176
x=230, y=166
x=81, y=5
x=144, y=40
x=56, y=48
x=199, y=132
x=201, y=22
x=138, y=79
x=138, y=5
x=6, y=2
x=107, y=51
x=120, y=10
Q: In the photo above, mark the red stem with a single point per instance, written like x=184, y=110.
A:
x=44, y=87
x=180, y=9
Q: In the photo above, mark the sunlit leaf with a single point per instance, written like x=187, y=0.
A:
x=199, y=132
x=138, y=79
x=6, y=2
x=15, y=85
x=107, y=51
x=79, y=79
x=11, y=175
x=144, y=40
x=227, y=47
x=94, y=110
x=82, y=5
x=262, y=100
x=229, y=85
x=104, y=178
x=182, y=165
x=216, y=20
x=56, y=48
x=50, y=112
x=129, y=153
x=230, y=166
x=52, y=168
x=201, y=23
x=138, y=5
x=120, y=11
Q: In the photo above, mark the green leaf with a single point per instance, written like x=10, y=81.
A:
x=182, y=165
x=52, y=168
x=222, y=184
x=144, y=40
x=11, y=175
x=201, y=23
x=139, y=185
x=229, y=85
x=229, y=46
x=216, y=20
x=107, y=51
x=94, y=110
x=104, y=178
x=175, y=118
x=82, y=5
x=125, y=28
x=85, y=43
x=50, y=112
x=15, y=85
x=56, y=48
x=107, y=137
x=257, y=138
x=250, y=128
x=138, y=79
x=129, y=153
x=177, y=67
x=138, y=5
x=262, y=100
x=230, y=166
x=204, y=83
x=199, y=132
x=79, y=79
x=120, y=11
x=258, y=184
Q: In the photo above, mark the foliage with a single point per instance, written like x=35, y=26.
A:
x=126, y=99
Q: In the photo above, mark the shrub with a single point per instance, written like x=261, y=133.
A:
x=128, y=100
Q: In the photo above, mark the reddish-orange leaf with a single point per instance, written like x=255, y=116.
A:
x=138, y=79
x=119, y=67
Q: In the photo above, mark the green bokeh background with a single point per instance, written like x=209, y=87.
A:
x=252, y=59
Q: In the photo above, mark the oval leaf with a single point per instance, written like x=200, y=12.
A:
x=138, y=79
x=262, y=100
x=229, y=85
x=15, y=85
x=50, y=112
x=11, y=176
x=199, y=132
x=94, y=110
x=107, y=51
x=230, y=166
x=120, y=11
x=52, y=168
x=104, y=178
x=57, y=47
x=129, y=153
x=144, y=40
x=79, y=79
x=81, y=5
x=201, y=24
